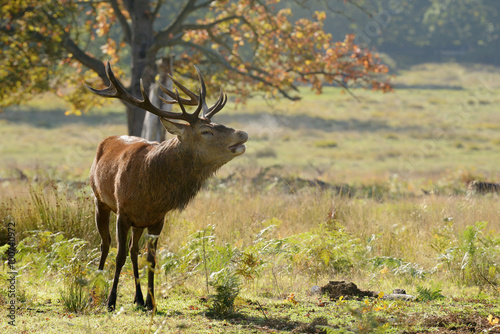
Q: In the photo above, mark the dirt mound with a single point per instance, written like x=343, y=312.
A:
x=349, y=290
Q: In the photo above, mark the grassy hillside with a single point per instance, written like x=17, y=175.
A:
x=370, y=190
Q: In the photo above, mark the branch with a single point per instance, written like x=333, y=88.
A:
x=328, y=5
x=69, y=45
x=203, y=4
x=195, y=26
x=123, y=21
x=360, y=7
x=339, y=12
x=221, y=60
x=341, y=83
x=90, y=62
x=157, y=8
x=91, y=1
x=208, y=27
x=16, y=15
x=162, y=37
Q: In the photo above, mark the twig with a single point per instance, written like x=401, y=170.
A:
x=262, y=310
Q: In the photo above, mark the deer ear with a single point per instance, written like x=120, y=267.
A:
x=174, y=128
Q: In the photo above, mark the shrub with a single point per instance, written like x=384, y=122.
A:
x=400, y=267
x=227, y=287
x=428, y=294
x=201, y=254
x=74, y=297
x=472, y=258
x=68, y=259
x=325, y=250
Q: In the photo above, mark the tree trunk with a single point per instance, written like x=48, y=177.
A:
x=134, y=118
x=152, y=128
x=143, y=65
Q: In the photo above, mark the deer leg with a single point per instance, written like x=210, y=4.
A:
x=122, y=227
x=102, y=221
x=154, y=232
x=134, y=250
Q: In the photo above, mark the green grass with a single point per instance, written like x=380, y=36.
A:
x=402, y=219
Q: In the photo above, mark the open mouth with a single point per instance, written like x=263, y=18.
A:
x=238, y=147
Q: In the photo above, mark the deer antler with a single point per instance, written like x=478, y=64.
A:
x=195, y=99
x=116, y=90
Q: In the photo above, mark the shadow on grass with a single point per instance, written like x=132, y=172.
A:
x=50, y=119
x=268, y=323
x=272, y=323
x=54, y=118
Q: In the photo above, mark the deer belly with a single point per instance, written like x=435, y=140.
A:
x=142, y=215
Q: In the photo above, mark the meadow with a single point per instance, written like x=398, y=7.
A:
x=371, y=189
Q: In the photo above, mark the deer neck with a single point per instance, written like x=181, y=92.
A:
x=184, y=159
x=186, y=173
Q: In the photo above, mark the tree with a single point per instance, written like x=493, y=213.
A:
x=244, y=46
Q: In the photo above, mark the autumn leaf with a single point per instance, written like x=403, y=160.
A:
x=493, y=320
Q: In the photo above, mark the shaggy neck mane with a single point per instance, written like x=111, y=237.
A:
x=180, y=170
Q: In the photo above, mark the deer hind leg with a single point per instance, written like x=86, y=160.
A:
x=134, y=250
x=102, y=212
x=122, y=228
x=154, y=232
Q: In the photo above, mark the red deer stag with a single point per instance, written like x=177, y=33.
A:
x=141, y=181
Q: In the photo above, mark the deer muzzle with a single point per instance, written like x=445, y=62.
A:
x=239, y=147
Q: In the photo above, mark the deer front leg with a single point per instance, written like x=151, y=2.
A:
x=134, y=250
x=154, y=232
x=102, y=222
x=122, y=227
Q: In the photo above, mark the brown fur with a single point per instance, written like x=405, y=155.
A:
x=141, y=181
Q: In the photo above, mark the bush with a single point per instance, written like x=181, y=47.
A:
x=428, y=294
x=227, y=287
x=400, y=267
x=473, y=258
x=201, y=254
x=68, y=259
x=74, y=297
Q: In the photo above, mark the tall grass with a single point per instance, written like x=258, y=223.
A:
x=397, y=221
x=52, y=206
x=327, y=234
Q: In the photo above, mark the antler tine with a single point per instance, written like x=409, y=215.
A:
x=179, y=100
x=193, y=101
x=221, y=102
x=116, y=90
x=194, y=116
x=165, y=100
x=203, y=92
x=193, y=98
x=106, y=92
x=111, y=90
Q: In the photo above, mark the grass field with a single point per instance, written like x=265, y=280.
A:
x=393, y=213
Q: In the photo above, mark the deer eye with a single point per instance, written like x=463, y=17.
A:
x=207, y=133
